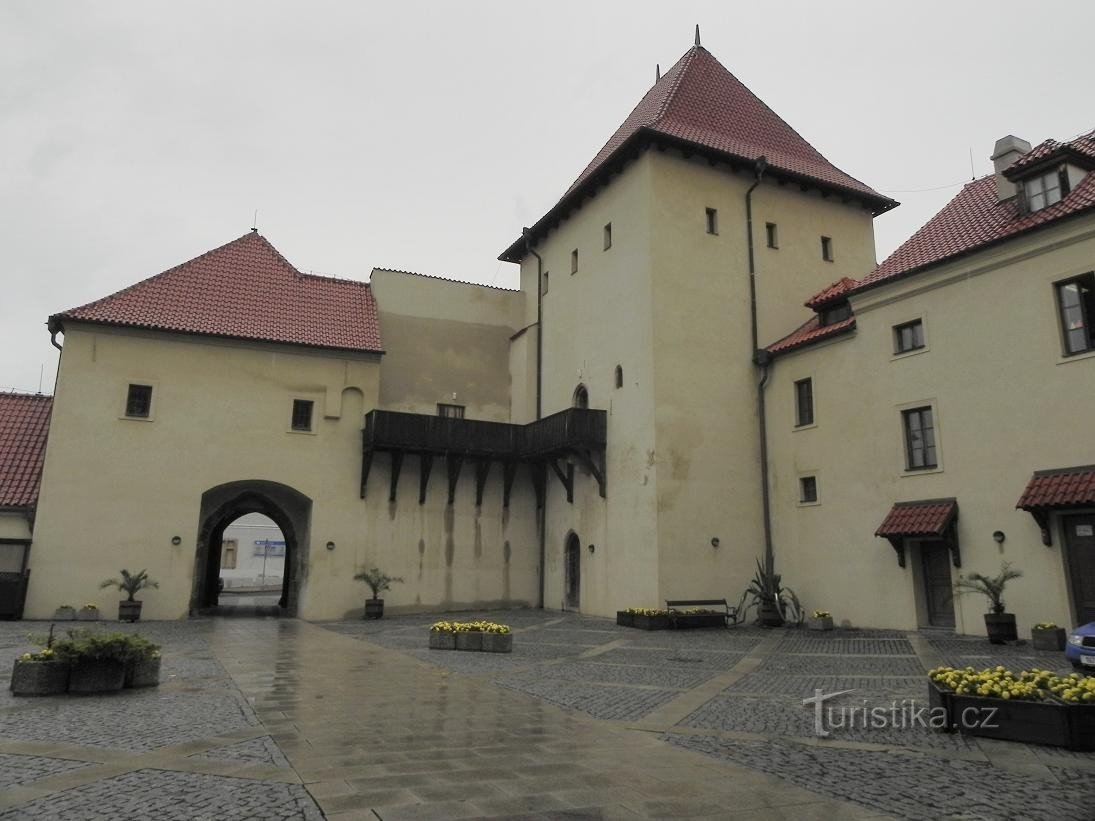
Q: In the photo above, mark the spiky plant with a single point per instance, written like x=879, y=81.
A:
x=378, y=582
x=991, y=587
x=131, y=583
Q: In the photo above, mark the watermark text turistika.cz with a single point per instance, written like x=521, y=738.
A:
x=905, y=714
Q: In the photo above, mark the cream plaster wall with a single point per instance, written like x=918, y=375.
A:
x=1006, y=401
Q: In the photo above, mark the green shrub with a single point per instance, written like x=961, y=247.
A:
x=92, y=645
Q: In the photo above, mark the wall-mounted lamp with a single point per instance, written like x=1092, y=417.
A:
x=715, y=542
x=176, y=540
x=330, y=545
x=592, y=548
x=998, y=536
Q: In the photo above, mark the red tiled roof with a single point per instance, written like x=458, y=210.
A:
x=244, y=290
x=1064, y=487
x=831, y=293
x=1083, y=146
x=974, y=219
x=700, y=103
x=24, y=424
x=930, y=517
x=810, y=332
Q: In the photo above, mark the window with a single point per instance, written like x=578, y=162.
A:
x=619, y=376
x=138, y=402
x=807, y=489
x=909, y=336
x=827, y=249
x=837, y=313
x=450, y=411
x=608, y=236
x=1076, y=300
x=581, y=397
x=302, y=414
x=712, y=221
x=574, y=261
x=229, y=551
x=1043, y=191
x=804, y=402
x=772, y=233
x=544, y=283
x=919, y=439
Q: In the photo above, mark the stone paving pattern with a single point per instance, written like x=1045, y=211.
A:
x=26, y=769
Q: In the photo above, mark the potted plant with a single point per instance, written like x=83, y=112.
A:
x=1047, y=636
x=40, y=674
x=378, y=582
x=98, y=660
x=497, y=638
x=89, y=612
x=820, y=620
x=649, y=618
x=625, y=618
x=999, y=625
x=66, y=612
x=131, y=584
x=776, y=604
x=443, y=635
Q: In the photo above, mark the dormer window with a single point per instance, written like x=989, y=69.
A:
x=834, y=314
x=1046, y=189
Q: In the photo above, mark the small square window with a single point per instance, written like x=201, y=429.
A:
x=772, y=232
x=712, y=221
x=807, y=489
x=450, y=411
x=804, y=402
x=827, y=249
x=302, y=414
x=908, y=336
x=608, y=236
x=919, y=439
x=138, y=401
x=574, y=261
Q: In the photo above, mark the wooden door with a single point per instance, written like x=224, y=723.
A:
x=1080, y=545
x=573, y=572
x=935, y=562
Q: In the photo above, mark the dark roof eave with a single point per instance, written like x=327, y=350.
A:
x=1064, y=153
x=629, y=150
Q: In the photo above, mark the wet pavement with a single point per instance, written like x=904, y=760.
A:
x=268, y=718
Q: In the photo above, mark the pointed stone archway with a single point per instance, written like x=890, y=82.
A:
x=290, y=509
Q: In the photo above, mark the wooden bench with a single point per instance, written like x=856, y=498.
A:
x=729, y=615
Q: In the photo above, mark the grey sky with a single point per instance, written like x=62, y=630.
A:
x=422, y=136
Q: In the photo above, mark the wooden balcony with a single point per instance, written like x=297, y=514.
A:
x=572, y=431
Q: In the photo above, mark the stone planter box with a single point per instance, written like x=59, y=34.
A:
x=822, y=623
x=625, y=619
x=129, y=611
x=100, y=676
x=651, y=622
x=498, y=642
x=1048, y=639
x=64, y=614
x=442, y=641
x=687, y=621
x=469, y=641
x=143, y=672
x=87, y=614
x=39, y=678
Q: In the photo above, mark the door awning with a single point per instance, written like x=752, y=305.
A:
x=925, y=519
x=1057, y=489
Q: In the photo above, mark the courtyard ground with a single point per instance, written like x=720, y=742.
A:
x=282, y=719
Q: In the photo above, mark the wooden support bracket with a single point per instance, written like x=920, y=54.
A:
x=509, y=471
x=425, y=462
x=366, y=466
x=482, y=470
x=397, y=466
x=898, y=543
x=455, y=462
x=567, y=478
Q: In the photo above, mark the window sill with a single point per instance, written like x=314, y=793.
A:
x=921, y=471
x=1065, y=360
x=907, y=354
x=137, y=418
x=301, y=432
x=809, y=504
x=797, y=428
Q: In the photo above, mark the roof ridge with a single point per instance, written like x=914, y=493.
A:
x=331, y=278
x=25, y=395
x=684, y=62
x=446, y=279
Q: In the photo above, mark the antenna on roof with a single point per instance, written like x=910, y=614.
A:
x=41, y=374
x=697, y=34
x=255, y=222
x=657, y=72
x=973, y=174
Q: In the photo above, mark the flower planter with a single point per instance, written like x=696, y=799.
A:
x=819, y=623
x=374, y=608
x=87, y=614
x=651, y=622
x=440, y=640
x=39, y=678
x=143, y=672
x=498, y=642
x=625, y=619
x=469, y=640
x=64, y=614
x=1001, y=627
x=96, y=676
x=686, y=621
x=129, y=611
x=940, y=699
x=1053, y=639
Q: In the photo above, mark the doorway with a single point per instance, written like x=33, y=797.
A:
x=1079, y=534
x=936, y=587
x=573, y=571
x=252, y=565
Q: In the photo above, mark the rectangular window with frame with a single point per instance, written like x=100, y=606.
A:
x=1076, y=301
x=608, y=236
x=772, y=234
x=712, y=216
x=574, y=261
x=908, y=336
x=138, y=401
x=1046, y=190
x=450, y=411
x=302, y=414
x=919, y=439
x=807, y=489
x=827, y=249
x=804, y=402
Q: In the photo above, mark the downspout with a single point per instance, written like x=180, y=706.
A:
x=53, y=340
x=763, y=361
x=541, y=514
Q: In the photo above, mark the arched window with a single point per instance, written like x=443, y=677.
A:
x=581, y=397
x=619, y=376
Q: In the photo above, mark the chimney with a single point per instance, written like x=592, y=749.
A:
x=1008, y=149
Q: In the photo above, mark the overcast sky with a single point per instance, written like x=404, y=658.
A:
x=422, y=136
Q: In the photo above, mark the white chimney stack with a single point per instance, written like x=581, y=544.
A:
x=1008, y=149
